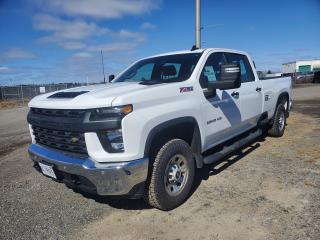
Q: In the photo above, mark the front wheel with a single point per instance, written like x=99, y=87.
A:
x=172, y=175
x=279, y=122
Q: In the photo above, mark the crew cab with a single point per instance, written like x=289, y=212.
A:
x=146, y=131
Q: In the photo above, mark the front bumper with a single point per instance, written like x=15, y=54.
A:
x=121, y=178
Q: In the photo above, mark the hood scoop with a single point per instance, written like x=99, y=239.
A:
x=67, y=94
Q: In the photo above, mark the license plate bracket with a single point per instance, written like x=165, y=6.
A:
x=47, y=170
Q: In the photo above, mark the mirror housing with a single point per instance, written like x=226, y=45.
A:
x=229, y=78
x=111, y=77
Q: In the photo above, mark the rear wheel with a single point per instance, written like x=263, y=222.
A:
x=279, y=122
x=172, y=175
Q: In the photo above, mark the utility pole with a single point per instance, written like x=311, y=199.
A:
x=104, y=76
x=198, y=24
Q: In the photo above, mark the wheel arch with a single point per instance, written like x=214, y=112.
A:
x=185, y=128
x=283, y=95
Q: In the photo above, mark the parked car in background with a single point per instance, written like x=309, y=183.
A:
x=316, y=77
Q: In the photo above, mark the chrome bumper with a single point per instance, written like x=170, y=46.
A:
x=108, y=178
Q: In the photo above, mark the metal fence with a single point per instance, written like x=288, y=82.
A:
x=24, y=93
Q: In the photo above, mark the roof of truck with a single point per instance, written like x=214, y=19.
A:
x=200, y=51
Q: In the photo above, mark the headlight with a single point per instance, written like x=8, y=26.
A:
x=102, y=114
x=115, y=139
x=112, y=140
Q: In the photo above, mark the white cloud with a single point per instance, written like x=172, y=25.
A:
x=77, y=25
x=99, y=8
x=126, y=34
x=4, y=69
x=66, y=33
x=71, y=45
x=72, y=34
x=124, y=40
x=16, y=53
x=114, y=47
x=147, y=25
x=82, y=55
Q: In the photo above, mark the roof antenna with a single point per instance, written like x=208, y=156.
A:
x=104, y=76
x=194, y=48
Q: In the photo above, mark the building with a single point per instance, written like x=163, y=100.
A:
x=302, y=67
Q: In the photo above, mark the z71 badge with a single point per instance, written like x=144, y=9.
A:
x=186, y=89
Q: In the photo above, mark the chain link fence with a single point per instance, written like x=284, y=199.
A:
x=23, y=93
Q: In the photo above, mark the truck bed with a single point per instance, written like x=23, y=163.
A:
x=271, y=89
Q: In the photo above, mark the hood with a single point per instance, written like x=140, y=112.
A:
x=93, y=96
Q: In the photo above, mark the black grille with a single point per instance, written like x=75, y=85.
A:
x=62, y=140
x=59, y=112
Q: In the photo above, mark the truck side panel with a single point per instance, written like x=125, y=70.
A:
x=271, y=89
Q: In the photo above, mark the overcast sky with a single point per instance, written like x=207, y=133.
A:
x=60, y=40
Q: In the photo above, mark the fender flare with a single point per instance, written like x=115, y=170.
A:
x=196, y=138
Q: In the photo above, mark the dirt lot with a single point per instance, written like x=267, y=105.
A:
x=270, y=190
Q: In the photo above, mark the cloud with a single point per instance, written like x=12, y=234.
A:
x=103, y=9
x=114, y=47
x=70, y=45
x=147, y=25
x=4, y=69
x=72, y=34
x=82, y=55
x=16, y=53
x=124, y=40
x=129, y=35
x=66, y=33
x=80, y=26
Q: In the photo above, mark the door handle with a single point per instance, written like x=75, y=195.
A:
x=235, y=94
x=258, y=89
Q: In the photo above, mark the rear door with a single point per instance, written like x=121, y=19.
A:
x=250, y=92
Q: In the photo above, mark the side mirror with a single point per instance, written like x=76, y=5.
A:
x=229, y=78
x=111, y=77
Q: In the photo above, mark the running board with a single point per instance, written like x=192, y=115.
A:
x=229, y=149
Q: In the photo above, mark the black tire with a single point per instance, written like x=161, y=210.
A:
x=279, y=122
x=157, y=193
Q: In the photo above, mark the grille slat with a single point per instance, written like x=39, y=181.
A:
x=62, y=140
x=59, y=112
x=58, y=135
x=59, y=140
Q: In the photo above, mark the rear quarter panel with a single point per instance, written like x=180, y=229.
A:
x=272, y=88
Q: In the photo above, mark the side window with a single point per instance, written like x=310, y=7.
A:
x=211, y=69
x=245, y=67
x=143, y=73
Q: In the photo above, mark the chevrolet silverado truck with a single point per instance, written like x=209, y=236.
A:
x=146, y=131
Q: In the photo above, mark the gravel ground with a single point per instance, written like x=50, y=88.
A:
x=13, y=129
x=269, y=190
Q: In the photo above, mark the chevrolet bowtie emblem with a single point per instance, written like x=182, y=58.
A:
x=74, y=140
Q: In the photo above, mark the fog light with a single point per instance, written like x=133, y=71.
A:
x=116, y=140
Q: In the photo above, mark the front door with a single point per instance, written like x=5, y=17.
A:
x=221, y=111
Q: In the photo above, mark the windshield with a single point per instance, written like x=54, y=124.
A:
x=169, y=68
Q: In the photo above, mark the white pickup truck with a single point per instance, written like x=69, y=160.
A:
x=146, y=132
